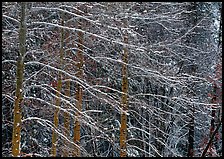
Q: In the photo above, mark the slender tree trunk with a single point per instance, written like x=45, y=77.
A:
x=162, y=125
x=155, y=120
x=193, y=19
x=191, y=134
x=59, y=86
x=19, y=75
x=68, y=94
x=147, y=85
x=93, y=135
x=79, y=92
x=213, y=114
x=143, y=114
x=67, y=121
x=213, y=110
x=211, y=138
x=124, y=102
x=191, y=126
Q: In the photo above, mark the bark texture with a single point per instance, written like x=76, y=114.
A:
x=79, y=92
x=19, y=81
x=68, y=94
x=59, y=86
x=124, y=102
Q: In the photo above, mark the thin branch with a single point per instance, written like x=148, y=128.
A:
x=212, y=137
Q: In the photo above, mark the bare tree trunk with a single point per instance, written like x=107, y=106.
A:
x=19, y=75
x=192, y=20
x=79, y=93
x=59, y=86
x=67, y=120
x=191, y=127
x=124, y=103
x=191, y=134
x=142, y=112
x=68, y=94
x=214, y=99
x=147, y=90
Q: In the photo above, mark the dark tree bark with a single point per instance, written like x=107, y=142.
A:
x=211, y=139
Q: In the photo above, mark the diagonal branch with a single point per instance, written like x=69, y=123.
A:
x=212, y=137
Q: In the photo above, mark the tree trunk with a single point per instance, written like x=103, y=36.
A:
x=191, y=134
x=68, y=94
x=213, y=114
x=123, y=128
x=192, y=20
x=67, y=120
x=79, y=92
x=59, y=86
x=147, y=90
x=19, y=75
x=143, y=114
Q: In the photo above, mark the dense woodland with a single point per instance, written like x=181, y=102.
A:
x=112, y=79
